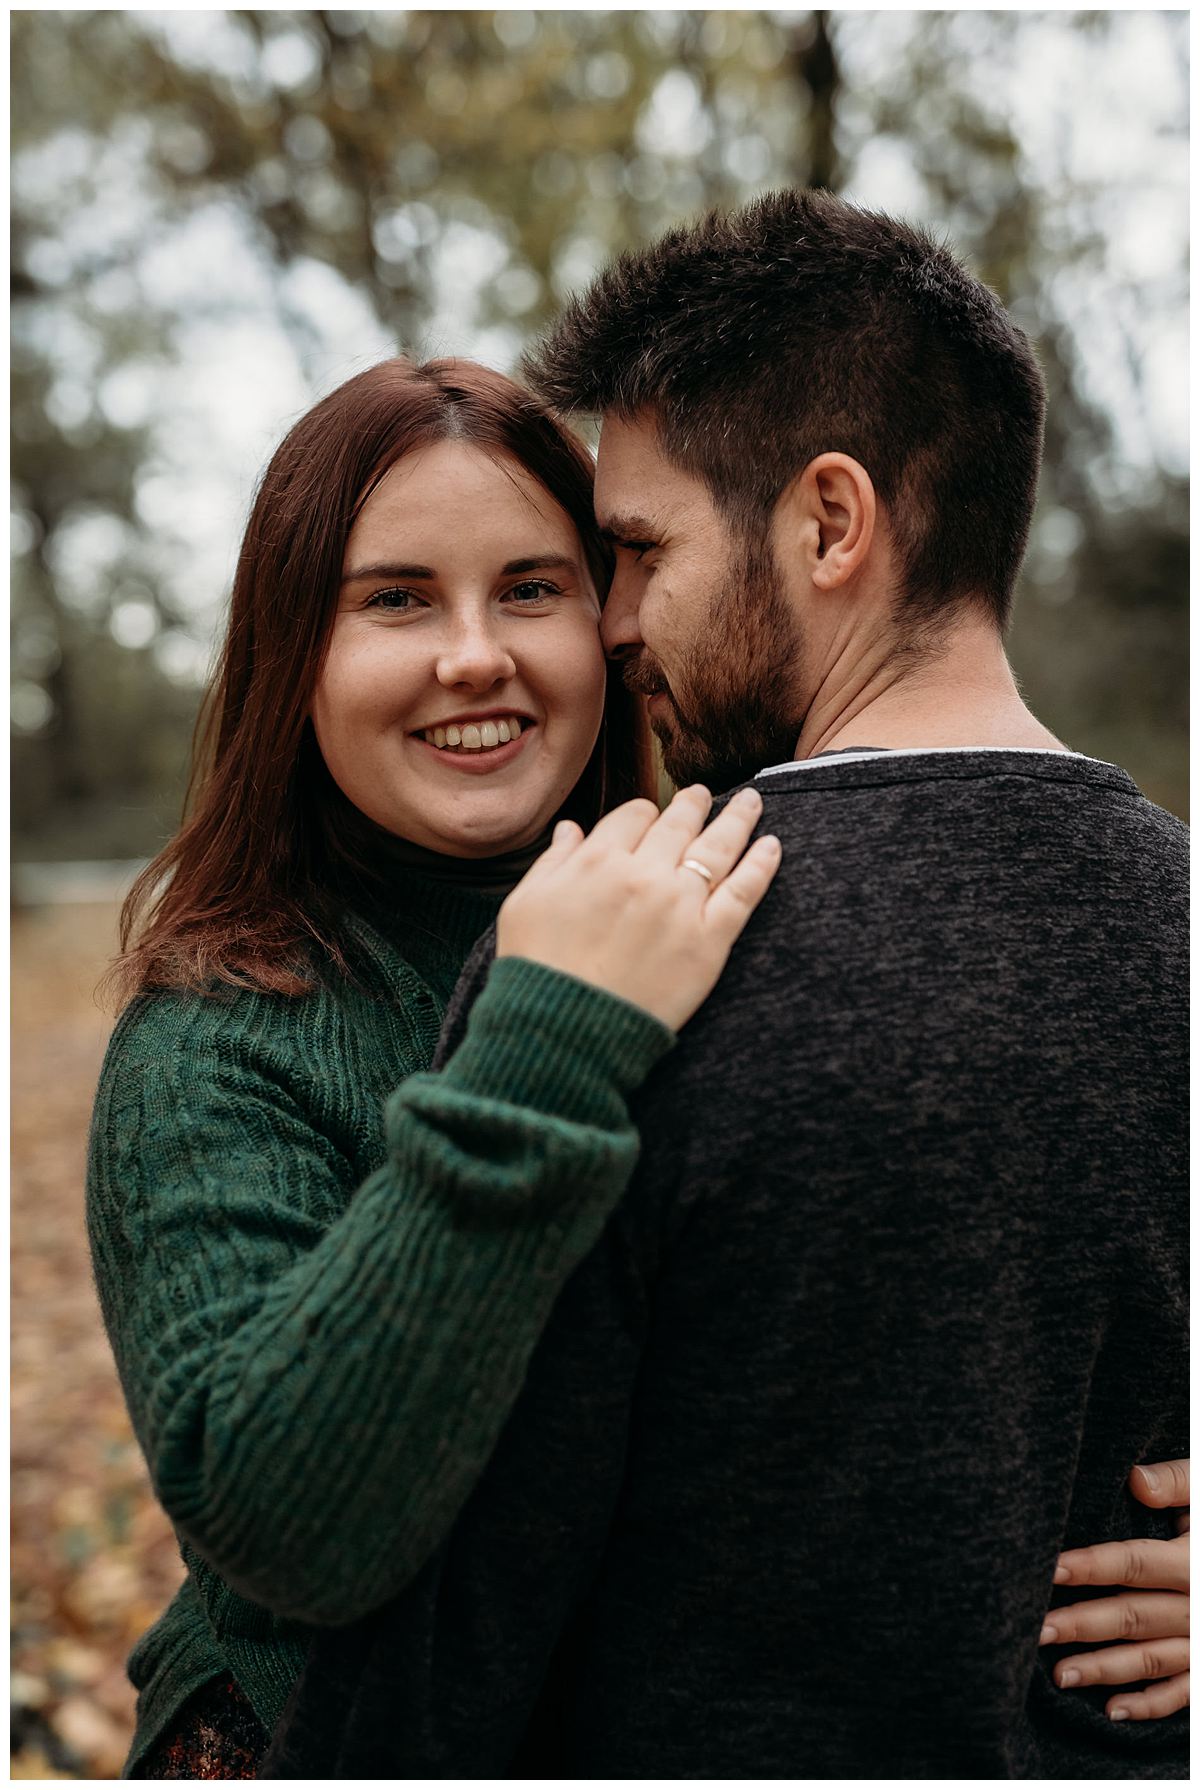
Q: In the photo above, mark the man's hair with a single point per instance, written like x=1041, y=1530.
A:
x=802, y=325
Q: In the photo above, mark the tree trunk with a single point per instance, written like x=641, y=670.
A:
x=71, y=770
x=816, y=67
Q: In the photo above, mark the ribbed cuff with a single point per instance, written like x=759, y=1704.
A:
x=539, y=1038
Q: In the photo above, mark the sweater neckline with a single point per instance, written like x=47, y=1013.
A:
x=494, y=875
x=430, y=921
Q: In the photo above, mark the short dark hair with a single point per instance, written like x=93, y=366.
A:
x=803, y=324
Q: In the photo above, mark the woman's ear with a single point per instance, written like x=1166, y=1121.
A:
x=826, y=518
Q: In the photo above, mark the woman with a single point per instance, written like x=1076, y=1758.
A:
x=322, y=1271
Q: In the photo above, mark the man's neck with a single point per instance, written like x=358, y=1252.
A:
x=962, y=693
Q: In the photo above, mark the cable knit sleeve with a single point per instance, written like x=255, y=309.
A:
x=318, y=1371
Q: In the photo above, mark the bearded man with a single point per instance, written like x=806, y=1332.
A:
x=895, y=1301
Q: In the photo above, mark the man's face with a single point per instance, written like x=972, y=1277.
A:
x=700, y=617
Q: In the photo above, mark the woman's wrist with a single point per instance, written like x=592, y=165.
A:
x=541, y=1038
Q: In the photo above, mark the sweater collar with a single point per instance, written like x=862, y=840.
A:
x=428, y=908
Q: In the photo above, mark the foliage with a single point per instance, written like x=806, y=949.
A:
x=409, y=156
x=93, y=1557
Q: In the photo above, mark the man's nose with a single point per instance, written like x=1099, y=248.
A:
x=619, y=631
x=474, y=655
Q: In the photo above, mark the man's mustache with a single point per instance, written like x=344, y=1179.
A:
x=644, y=676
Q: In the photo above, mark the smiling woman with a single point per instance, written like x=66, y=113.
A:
x=467, y=612
x=399, y=527
x=324, y=1271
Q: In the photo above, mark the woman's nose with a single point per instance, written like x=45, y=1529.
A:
x=474, y=655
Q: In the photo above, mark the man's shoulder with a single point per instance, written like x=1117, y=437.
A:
x=849, y=808
x=467, y=990
x=903, y=872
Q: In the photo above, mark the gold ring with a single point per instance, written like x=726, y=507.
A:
x=700, y=869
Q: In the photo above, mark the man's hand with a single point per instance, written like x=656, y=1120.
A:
x=1149, y=1625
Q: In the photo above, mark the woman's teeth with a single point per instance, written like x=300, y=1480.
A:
x=475, y=736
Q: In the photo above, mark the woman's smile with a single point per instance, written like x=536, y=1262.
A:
x=478, y=744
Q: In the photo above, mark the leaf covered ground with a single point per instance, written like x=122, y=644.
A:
x=93, y=1557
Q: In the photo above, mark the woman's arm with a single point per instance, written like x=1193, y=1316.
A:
x=1149, y=1627
x=318, y=1374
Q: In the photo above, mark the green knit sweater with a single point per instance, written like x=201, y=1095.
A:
x=323, y=1272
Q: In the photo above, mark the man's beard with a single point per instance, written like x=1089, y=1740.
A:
x=733, y=698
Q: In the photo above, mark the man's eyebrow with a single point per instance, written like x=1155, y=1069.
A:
x=628, y=528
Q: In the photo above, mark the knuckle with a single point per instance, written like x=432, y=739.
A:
x=1179, y=1475
x=642, y=887
x=1131, y=1562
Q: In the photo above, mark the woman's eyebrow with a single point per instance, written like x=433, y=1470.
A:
x=536, y=562
x=387, y=571
x=541, y=562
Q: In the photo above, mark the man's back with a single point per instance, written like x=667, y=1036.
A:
x=894, y=1302
x=922, y=1307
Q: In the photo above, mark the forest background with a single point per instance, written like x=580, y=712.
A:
x=218, y=216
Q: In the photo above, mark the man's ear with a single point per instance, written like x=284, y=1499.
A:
x=826, y=519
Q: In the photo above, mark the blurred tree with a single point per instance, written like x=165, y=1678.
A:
x=413, y=156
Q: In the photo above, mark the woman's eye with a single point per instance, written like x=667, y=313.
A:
x=533, y=590
x=396, y=602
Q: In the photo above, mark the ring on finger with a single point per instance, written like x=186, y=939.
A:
x=700, y=869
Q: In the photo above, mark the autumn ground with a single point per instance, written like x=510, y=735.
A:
x=93, y=1559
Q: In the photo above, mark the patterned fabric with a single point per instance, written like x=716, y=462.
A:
x=285, y=1213
x=216, y=1735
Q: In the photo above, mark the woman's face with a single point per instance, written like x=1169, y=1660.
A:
x=463, y=687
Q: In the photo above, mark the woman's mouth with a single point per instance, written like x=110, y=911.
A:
x=478, y=745
x=475, y=736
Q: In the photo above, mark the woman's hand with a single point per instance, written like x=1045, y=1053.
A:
x=620, y=908
x=1150, y=1625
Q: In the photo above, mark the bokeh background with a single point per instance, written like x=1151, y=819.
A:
x=218, y=216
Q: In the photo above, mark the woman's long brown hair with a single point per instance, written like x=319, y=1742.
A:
x=250, y=890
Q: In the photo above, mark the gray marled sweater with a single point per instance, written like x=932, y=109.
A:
x=894, y=1302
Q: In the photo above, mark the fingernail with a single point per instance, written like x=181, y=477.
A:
x=1062, y=1575
x=1048, y=1634
x=1069, y=1677
x=1150, y=1476
x=1118, y=1715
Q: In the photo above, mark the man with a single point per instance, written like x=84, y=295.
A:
x=895, y=1300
